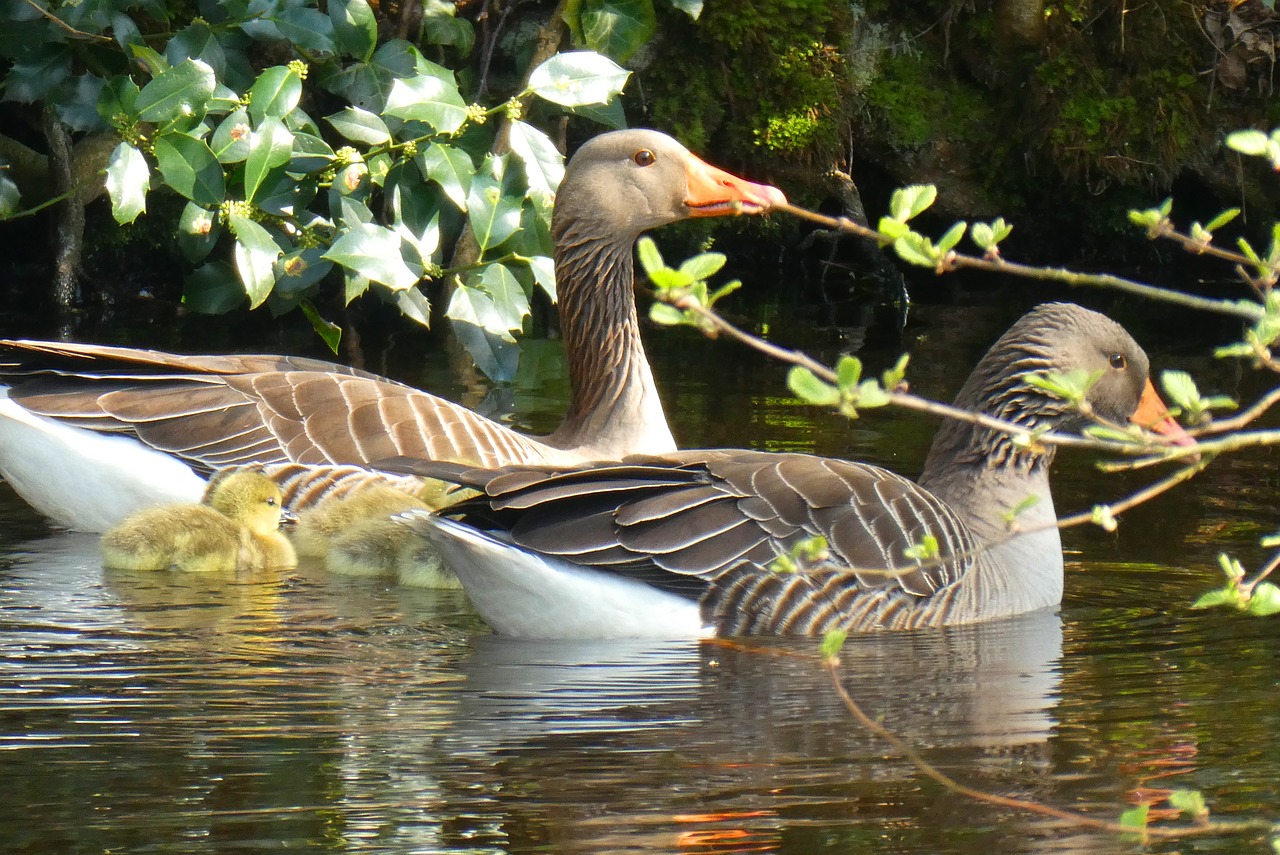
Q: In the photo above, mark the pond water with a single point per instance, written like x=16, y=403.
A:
x=165, y=714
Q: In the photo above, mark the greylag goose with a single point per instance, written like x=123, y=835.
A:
x=681, y=544
x=89, y=434
x=237, y=527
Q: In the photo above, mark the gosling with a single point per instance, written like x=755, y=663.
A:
x=354, y=535
x=237, y=527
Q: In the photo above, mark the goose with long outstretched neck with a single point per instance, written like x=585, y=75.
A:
x=682, y=544
x=89, y=433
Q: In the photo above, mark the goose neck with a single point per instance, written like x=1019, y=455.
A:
x=614, y=405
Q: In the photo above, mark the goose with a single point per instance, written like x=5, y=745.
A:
x=681, y=544
x=237, y=527
x=89, y=434
x=353, y=534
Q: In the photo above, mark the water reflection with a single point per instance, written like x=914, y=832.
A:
x=164, y=714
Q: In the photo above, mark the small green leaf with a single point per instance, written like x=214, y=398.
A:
x=298, y=270
x=1217, y=597
x=916, y=249
x=329, y=332
x=373, y=251
x=274, y=94
x=871, y=395
x=1181, y=389
x=544, y=274
x=182, y=90
x=1135, y=817
x=848, y=372
x=189, y=167
x=703, y=266
x=832, y=643
x=578, y=78
x=893, y=377
x=1222, y=219
x=618, y=28
x=892, y=230
x=909, y=202
x=543, y=163
x=269, y=148
x=212, y=290
x=1249, y=142
x=255, y=254
x=10, y=197
x=494, y=209
x=1190, y=802
x=128, y=178
x=1265, y=600
x=230, y=142
x=355, y=28
x=307, y=29
x=667, y=315
x=650, y=257
x=431, y=97
x=414, y=305
x=451, y=168
x=806, y=385
x=361, y=126
x=473, y=306
x=1071, y=386
x=509, y=299
x=982, y=235
x=952, y=237
x=926, y=549
x=198, y=232
x=1021, y=508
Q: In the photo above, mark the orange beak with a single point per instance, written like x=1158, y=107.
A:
x=1153, y=415
x=716, y=193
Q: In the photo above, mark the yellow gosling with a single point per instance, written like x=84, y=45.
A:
x=320, y=525
x=236, y=528
x=353, y=535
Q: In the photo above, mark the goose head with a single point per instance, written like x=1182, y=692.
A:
x=248, y=497
x=1053, y=338
x=623, y=183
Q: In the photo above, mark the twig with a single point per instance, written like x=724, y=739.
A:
x=80, y=34
x=1242, y=309
x=910, y=401
x=1242, y=418
x=1078, y=819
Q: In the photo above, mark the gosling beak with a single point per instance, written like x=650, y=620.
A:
x=716, y=193
x=288, y=519
x=1154, y=416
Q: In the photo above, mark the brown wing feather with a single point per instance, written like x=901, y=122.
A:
x=216, y=411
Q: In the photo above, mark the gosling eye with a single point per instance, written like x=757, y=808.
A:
x=644, y=157
x=271, y=502
x=1118, y=361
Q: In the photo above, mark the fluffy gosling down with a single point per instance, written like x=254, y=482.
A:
x=237, y=527
x=354, y=535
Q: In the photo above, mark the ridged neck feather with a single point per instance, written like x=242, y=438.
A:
x=614, y=408
x=967, y=459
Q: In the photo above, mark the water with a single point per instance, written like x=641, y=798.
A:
x=164, y=714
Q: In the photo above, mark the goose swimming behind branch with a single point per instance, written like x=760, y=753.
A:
x=89, y=433
x=682, y=544
x=236, y=528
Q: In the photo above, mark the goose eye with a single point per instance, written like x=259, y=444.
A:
x=644, y=157
x=1118, y=360
x=271, y=502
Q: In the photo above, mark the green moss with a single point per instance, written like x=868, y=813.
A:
x=915, y=103
x=769, y=78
